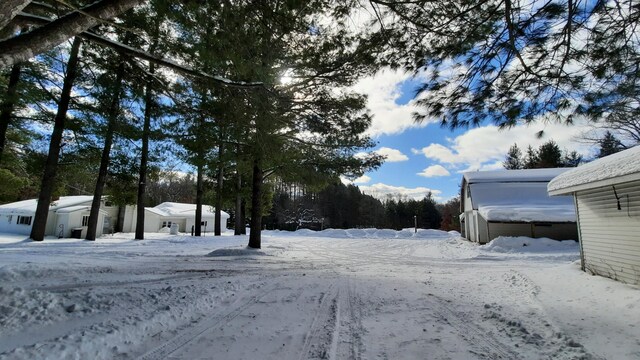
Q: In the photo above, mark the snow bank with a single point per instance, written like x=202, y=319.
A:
x=408, y=234
x=522, y=244
x=246, y=251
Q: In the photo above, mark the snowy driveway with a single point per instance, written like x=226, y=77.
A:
x=338, y=294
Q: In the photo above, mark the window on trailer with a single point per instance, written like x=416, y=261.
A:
x=24, y=220
x=85, y=220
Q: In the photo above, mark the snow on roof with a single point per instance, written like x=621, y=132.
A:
x=524, y=175
x=73, y=208
x=520, y=201
x=529, y=213
x=173, y=209
x=613, y=169
x=29, y=206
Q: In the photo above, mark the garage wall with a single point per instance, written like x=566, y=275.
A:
x=611, y=237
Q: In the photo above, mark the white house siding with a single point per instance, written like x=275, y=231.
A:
x=52, y=220
x=129, y=218
x=10, y=225
x=611, y=237
x=151, y=222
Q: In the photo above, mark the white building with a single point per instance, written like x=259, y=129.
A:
x=607, y=200
x=514, y=203
x=65, y=214
x=164, y=215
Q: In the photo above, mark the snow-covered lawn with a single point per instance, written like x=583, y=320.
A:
x=354, y=294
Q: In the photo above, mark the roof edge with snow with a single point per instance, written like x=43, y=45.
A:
x=522, y=175
x=614, y=169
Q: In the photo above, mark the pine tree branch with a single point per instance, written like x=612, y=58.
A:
x=25, y=46
x=141, y=54
x=9, y=9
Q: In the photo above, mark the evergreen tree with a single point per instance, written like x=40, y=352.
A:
x=51, y=167
x=609, y=144
x=513, y=160
x=571, y=159
x=531, y=159
x=501, y=61
x=549, y=155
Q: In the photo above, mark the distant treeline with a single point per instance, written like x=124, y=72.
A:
x=345, y=206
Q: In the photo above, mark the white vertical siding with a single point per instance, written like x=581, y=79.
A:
x=611, y=237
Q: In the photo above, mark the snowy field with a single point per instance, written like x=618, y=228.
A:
x=336, y=294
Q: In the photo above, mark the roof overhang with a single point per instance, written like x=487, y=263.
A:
x=596, y=184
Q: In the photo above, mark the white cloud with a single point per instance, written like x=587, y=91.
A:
x=382, y=191
x=362, y=180
x=392, y=155
x=383, y=89
x=485, y=148
x=434, y=170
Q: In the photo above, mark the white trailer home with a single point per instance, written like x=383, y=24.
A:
x=607, y=201
x=67, y=215
x=161, y=217
x=514, y=203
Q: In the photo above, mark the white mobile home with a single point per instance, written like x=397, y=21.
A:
x=607, y=200
x=161, y=217
x=514, y=203
x=66, y=214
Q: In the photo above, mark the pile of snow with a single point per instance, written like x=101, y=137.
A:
x=246, y=251
x=370, y=233
x=522, y=244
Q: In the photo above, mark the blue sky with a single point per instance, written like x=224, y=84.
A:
x=425, y=157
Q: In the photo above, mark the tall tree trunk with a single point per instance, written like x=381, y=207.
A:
x=256, y=205
x=51, y=166
x=6, y=110
x=199, y=196
x=144, y=156
x=243, y=216
x=239, y=219
x=114, y=109
x=218, y=218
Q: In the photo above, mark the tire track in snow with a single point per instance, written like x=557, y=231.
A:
x=319, y=338
x=348, y=344
x=188, y=335
x=538, y=329
x=488, y=345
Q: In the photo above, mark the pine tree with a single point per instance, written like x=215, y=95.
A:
x=513, y=160
x=609, y=144
x=51, y=167
x=531, y=160
x=571, y=159
x=549, y=155
x=500, y=61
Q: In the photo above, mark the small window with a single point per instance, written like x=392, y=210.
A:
x=108, y=204
x=85, y=220
x=10, y=218
x=166, y=224
x=204, y=223
x=24, y=220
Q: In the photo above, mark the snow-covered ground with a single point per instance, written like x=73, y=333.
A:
x=345, y=294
